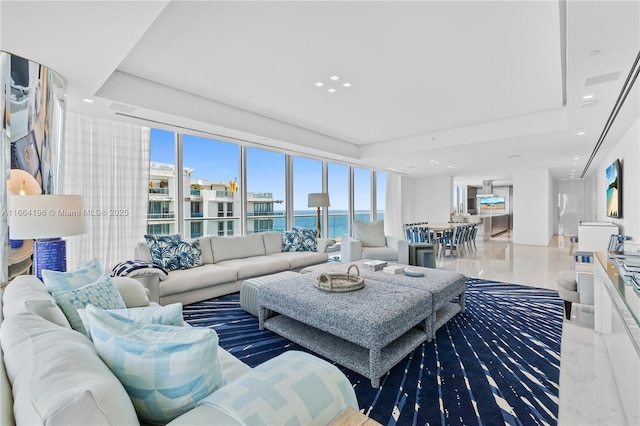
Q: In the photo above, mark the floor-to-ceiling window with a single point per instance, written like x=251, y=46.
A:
x=212, y=196
x=339, y=195
x=381, y=194
x=307, y=178
x=362, y=194
x=161, y=218
x=265, y=190
x=211, y=204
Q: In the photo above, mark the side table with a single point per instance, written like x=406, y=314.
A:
x=422, y=254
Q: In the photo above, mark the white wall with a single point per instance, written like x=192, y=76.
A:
x=427, y=199
x=533, y=214
x=627, y=150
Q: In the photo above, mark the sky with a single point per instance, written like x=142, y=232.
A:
x=219, y=161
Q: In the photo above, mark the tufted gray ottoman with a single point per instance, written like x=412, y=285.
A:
x=368, y=331
x=447, y=288
x=250, y=289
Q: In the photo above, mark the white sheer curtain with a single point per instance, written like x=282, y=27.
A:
x=108, y=163
x=393, y=206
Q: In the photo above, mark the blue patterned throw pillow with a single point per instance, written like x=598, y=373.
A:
x=172, y=253
x=290, y=241
x=308, y=238
x=101, y=293
x=166, y=370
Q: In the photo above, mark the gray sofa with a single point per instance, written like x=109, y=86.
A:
x=51, y=374
x=228, y=261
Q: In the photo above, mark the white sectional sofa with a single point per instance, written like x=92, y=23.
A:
x=227, y=262
x=51, y=374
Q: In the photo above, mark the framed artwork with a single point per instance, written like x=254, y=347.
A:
x=614, y=190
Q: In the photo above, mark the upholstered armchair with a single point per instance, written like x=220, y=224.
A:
x=575, y=286
x=370, y=242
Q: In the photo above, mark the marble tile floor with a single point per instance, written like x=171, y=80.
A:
x=587, y=391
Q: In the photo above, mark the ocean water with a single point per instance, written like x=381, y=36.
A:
x=338, y=220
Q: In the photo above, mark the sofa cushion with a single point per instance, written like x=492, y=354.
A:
x=142, y=252
x=205, y=250
x=57, y=377
x=132, y=292
x=166, y=370
x=86, y=274
x=101, y=293
x=379, y=253
x=272, y=242
x=197, y=278
x=255, y=266
x=301, y=259
x=241, y=246
x=370, y=234
x=26, y=293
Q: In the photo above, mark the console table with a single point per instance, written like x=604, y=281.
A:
x=617, y=318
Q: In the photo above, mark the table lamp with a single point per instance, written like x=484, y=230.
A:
x=319, y=199
x=22, y=183
x=46, y=218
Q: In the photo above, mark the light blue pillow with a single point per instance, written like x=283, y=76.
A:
x=166, y=370
x=101, y=293
x=165, y=315
x=59, y=281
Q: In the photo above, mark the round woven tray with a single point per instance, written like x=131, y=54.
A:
x=340, y=283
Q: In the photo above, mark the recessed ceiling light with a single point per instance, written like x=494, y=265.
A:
x=587, y=97
x=89, y=101
x=593, y=52
x=576, y=158
x=437, y=162
x=319, y=84
x=580, y=133
x=346, y=84
x=335, y=77
x=587, y=103
x=331, y=90
x=573, y=164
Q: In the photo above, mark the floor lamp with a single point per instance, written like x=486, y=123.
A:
x=319, y=199
x=46, y=218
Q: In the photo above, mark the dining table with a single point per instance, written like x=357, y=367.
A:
x=439, y=229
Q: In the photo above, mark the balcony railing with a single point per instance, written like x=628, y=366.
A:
x=161, y=215
x=195, y=192
x=263, y=195
x=196, y=214
x=161, y=191
x=265, y=214
x=225, y=194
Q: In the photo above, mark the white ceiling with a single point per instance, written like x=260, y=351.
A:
x=473, y=89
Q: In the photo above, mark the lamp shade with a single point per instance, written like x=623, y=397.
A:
x=45, y=216
x=319, y=199
x=21, y=182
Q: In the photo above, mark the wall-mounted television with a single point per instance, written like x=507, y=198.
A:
x=614, y=190
x=491, y=203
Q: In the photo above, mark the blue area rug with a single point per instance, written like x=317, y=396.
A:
x=498, y=363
